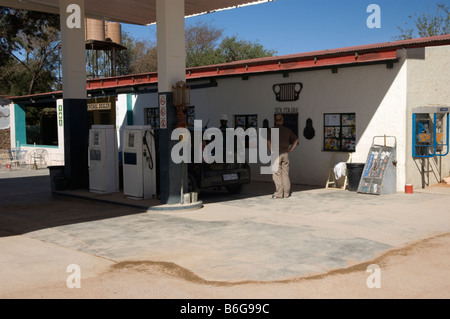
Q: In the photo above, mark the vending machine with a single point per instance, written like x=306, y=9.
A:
x=103, y=159
x=139, y=162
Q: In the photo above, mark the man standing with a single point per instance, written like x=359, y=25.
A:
x=288, y=142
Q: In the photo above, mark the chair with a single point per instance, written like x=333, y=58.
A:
x=38, y=156
x=332, y=181
x=17, y=158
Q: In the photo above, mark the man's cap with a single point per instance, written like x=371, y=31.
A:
x=224, y=117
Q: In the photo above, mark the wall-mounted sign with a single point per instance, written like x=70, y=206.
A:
x=163, y=111
x=286, y=110
x=60, y=115
x=99, y=106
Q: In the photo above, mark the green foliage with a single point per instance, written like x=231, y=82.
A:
x=233, y=49
x=29, y=51
x=203, y=47
x=30, y=41
x=140, y=56
x=201, y=43
x=427, y=25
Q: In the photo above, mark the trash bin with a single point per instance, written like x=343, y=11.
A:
x=57, y=179
x=354, y=173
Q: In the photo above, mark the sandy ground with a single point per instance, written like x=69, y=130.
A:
x=416, y=271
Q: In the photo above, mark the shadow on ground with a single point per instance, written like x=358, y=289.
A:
x=27, y=204
x=254, y=189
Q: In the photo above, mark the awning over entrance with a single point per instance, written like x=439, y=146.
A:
x=129, y=11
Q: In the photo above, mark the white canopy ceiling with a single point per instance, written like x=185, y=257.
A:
x=142, y=12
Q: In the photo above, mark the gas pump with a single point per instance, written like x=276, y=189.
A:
x=139, y=162
x=103, y=159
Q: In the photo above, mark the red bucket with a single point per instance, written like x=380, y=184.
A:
x=408, y=189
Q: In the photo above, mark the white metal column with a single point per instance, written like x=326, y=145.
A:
x=74, y=93
x=171, y=69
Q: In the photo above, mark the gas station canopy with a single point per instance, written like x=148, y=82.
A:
x=129, y=11
x=170, y=15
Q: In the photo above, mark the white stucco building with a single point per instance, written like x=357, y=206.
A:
x=373, y=87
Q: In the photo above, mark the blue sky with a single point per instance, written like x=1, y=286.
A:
x=296, y=26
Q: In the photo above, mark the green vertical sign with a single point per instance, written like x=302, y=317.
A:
x=60, y=115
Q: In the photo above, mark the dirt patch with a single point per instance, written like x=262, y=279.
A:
x=175, y=271
x=415, y=271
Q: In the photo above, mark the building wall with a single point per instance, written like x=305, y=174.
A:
x=5, y=139
x=375, y=93
x=428, y=74
x=55, y=154
x=122, y=116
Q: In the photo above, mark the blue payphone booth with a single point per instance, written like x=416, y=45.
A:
x=430, y=131
x=430, y=137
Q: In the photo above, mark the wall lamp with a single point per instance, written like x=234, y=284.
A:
x=181, y=100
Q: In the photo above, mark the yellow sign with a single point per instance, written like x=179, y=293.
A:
x=98, y=106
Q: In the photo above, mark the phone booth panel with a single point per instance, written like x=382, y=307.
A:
x=430, y=132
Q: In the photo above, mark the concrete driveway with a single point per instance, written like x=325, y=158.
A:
x=232, y=238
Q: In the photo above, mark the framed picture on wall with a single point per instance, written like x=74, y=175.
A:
x=246, y=121
x=339, y=132
x=240, y=121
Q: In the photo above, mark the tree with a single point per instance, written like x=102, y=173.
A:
x=203, y=47
x=233, y=49
x=139, y=57
x=201, y=44
x=144, y=57
x=427, y=25
x=29, y=46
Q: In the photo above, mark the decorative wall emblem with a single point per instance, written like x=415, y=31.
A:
x=287, y=92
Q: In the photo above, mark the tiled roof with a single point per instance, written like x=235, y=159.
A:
x=355, y=55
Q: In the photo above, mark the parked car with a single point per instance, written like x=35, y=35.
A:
x=232, y=176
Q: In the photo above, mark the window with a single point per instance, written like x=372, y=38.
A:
x=41, y=125
x=152, y=117
x=339, y=132
x=246, y=121
x=290, y=121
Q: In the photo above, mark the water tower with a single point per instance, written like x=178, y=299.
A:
x=103, y=41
